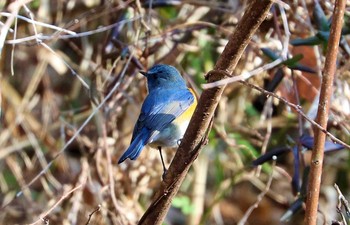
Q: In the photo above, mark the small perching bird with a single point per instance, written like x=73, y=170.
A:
x=165, y=113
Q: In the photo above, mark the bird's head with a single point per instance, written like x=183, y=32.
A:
x=163, y=76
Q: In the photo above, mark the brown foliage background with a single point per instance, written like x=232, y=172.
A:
x=69, y=102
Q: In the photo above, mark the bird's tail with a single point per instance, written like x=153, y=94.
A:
x=134, y=149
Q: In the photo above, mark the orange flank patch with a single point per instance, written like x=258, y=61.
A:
x=186, y=116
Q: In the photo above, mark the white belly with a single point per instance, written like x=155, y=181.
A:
x=170, y=136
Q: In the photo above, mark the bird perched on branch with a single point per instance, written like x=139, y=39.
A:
x=165, y=113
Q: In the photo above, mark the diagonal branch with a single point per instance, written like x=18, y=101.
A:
x=196, y=134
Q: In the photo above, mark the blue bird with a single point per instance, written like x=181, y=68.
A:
x=165, y=113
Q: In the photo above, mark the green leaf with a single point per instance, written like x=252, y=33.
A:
x=269, y=53
x=320, y=18
x=35, y=4
x=249, y=149
x=323, y=35
x=10, y=179
x=293, y=61
x=302, y=68
x=168, y=12
x=310, y=41
x=251, y=111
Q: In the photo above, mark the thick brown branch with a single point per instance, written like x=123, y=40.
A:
x=196, y=133
x=322, y=114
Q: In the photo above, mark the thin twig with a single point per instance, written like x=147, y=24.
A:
x=298, y=109
x=69, y=36
x=13, y=48
x=266, y=116
x=285, y=49
x=43, y=215
x=342, y=202
x=34, y=22
x=282, y=4
x=67, y=65
x=243, y=76
x=77, y=198
x=92, y=213
x=14, y=8
x=260, y=196
x=300, y=120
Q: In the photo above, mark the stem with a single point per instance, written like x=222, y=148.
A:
x=322, y=114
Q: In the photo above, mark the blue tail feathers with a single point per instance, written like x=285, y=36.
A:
x=134, y=149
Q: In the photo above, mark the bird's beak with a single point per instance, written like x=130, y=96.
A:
x=144, y=73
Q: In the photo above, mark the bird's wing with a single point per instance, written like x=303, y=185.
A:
x=160, y=108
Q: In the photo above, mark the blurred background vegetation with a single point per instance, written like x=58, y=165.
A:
x=70, y=93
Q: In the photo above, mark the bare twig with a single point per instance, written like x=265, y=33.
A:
x=342, y=202
x=69, y=36
x=92, y=213
x=67, y=65
x=119, y=209
x=313, y=190
x=13, y=47
x=34, y=22
x=298, y=109
x=300, y=124
x=286, y=31
x=260, y=196
x=77, y=197
x=282, y=4
x=266, y=116
x=243, y=76
x=14, y=9
x=43, y=215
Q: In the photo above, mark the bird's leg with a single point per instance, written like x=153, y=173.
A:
x=161, y=157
